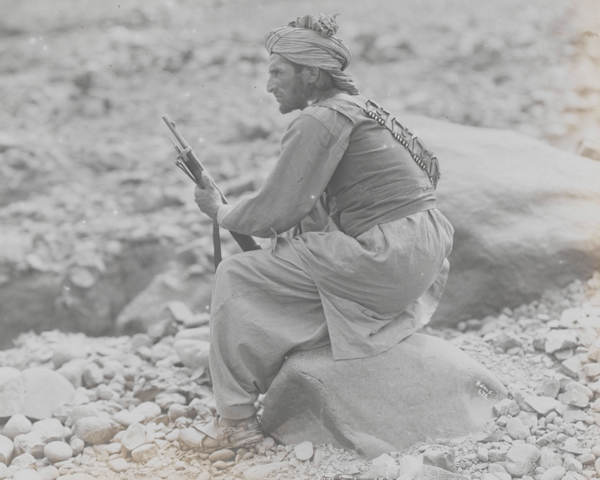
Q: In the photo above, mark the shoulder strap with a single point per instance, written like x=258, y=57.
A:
x=415, y=146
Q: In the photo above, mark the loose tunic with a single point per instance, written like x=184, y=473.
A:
x=366, y=268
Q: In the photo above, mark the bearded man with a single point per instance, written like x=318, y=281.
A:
x=366, y=263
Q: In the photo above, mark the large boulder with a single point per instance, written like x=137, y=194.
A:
x=35, y=393
x=526, y=216
x=423, y=387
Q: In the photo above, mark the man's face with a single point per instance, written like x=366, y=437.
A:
x=289, y=88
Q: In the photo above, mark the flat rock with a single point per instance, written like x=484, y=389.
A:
x=542, y=405
x=118, y=465
x=354, y=403
x=575, y=398
x=531, y=236
x=198, y=333
x=96, y=430
x=560, y=339
x=35, y=393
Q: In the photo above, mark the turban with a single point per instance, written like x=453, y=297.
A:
x=311, y=42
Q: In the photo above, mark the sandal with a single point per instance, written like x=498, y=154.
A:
x=245, y=433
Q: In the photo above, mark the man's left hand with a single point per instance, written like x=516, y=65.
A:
x=208, y=199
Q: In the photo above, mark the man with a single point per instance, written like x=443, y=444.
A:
x=367, y=262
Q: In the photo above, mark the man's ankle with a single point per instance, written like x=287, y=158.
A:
x=231, y=422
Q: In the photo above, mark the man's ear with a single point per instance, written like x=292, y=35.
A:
x=311, y=74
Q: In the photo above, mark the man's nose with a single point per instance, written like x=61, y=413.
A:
x=270, y=85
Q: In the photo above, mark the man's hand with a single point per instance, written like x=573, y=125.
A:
x=209, y=200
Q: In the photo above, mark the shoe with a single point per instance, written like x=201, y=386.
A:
x=245, y=433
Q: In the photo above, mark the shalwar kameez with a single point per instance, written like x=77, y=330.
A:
x=366, y=263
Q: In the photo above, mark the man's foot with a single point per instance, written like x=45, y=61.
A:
x=224, y=433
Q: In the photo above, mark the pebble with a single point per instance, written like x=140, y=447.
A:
x=24, y=460
x=596, y=450
x=49, y=473
x=96, y=430
x=148, y=410
x=58, y=451
x=144, y=453
x=18, y=424
x=304, y=451
x=4, y=471
x=597, y=466
x=224, y=455
x=135, y=435
x=516, y=429
x=553, y=473
x=118, y=465
x=7, y=449
x=27, y=474
x=92, y=375
x=520, y=459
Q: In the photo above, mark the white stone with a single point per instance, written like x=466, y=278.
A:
x=560, y=339
x=521, y=458
x=148, y=410
x=549, y=458
x=25, y=460
x=385, y=466
x=58, y=451
x=32, y=442
x=7, y=374
x=95, y=430
x=7, y=448
x=135, y=435
x=49, y=473
x=118, y=465
x=27, y=474
x=516, y=429
x=52, y=429
x=259, y=472
x=304, y=451
x=17, y=425
x=554, y=473
x=92, y=375
x=575, y=398
x=542, y=405
x=144, y=453
x=572, y=366
x=592, y=369
x=68, y=351
x=192, y=353
x=127, y=418
x=35, y=393
x=4, y=471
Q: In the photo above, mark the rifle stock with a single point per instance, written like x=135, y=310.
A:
x=193, y=168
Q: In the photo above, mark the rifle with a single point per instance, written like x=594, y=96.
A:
x=191, y=166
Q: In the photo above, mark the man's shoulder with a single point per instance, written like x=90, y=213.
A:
x=328, y=110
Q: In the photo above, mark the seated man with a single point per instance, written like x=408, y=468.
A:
x=367, y=262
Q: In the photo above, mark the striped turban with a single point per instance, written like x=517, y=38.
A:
x=311, y=42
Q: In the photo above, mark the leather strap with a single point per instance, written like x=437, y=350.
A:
x=417, y=149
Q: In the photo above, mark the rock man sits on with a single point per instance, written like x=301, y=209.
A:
x=366, y=262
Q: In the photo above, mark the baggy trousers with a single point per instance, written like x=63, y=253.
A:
x=363, y=295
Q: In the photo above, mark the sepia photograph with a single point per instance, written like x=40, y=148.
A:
x=299, y=240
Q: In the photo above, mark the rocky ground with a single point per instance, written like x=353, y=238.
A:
x=91, y=205
x=92, y=209
x=134, y=399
